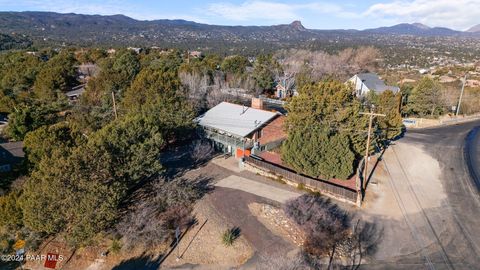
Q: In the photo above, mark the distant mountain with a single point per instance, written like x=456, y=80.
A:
x=474, y=29
x=119, y=29
x=416, y=29
x=421, y=25
x=49, y=28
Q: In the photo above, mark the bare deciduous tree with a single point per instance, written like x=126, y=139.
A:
x=197, y=88
x=320, y=64
x=324, y=223
x=155, y=215
x=202, y=150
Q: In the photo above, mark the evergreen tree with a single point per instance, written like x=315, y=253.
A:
x=235, y=65
x=41, y=142
x=426, y=99
x=265, y=68
x=55, y=77
x=390, y=126
x=78, y=190
x=29, y=118
x=17, y=76
x=323, y=124
x=319, y=153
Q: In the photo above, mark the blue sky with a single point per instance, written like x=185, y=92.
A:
x=325, y=14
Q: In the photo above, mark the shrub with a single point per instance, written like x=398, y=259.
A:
x=300, y=186
x=324, y=223
x=230, y=235
x=115, y=246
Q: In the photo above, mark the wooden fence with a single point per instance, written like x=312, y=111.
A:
x=320, y=185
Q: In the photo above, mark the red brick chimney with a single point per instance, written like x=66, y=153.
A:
x=257, y=103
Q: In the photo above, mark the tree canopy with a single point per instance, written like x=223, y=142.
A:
x=17, y=75
x=55, y=76
x=327, y=133
x=29, y=118
x=78, y=189
x=426, y=99
x=235, y=64
x=265, y=71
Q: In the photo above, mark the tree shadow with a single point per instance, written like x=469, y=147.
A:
x=366, y=236
x=149, y=191
x=336, y=238
x=144, y=261
x=180, y=159
x=235, y=232
x=194, y=237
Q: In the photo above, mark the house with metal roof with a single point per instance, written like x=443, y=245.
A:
x=75, y=93
x=10, y=154
x=238, y=129
x=366, y=82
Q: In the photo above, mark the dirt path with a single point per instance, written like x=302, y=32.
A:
x=233, y=205
x=202, y=245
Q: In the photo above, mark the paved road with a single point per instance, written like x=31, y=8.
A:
x=472, y=154
x=455, y=226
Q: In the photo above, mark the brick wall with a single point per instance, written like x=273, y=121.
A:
x=273, y=131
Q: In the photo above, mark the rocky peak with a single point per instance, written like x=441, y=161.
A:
x=297, y=25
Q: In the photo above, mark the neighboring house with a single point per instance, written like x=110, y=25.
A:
x=472, y=83
x=75, y=93
x=406, y=81
x=87, y=71
x=446, y=79
x=366, y=82
x=239, y=130
x=10, y=154
x=424, y=71
x=3, y=119
x=285, y=87
x=135, y=49
x=196, y=54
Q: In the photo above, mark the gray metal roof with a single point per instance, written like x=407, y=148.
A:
x=374, y=83
x=11, y=153
x=235, y=119
x=76, y=91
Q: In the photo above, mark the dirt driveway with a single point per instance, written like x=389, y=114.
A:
x=233, y=205
x=227, y=205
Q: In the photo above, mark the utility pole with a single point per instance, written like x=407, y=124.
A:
x=114, y=105
x=371, y=114
x=461, y=94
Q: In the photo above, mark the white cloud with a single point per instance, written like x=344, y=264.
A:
x=271, y=11
x=457, y=14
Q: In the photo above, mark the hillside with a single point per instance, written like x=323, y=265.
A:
x=119, y=29
x=55, y=29
x=416, y=29
x=474, y=29
x=8, y=42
